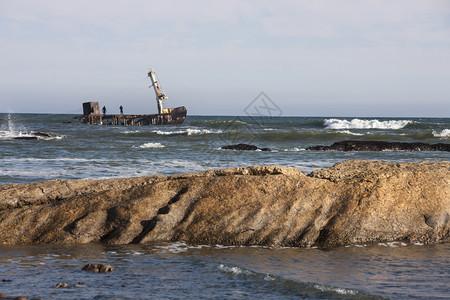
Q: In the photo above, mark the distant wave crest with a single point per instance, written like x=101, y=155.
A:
x=365, y=124
x=443, y=134
x=188, y=131
x=152, y=145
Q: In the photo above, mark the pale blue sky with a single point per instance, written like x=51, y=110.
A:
x=312, y=58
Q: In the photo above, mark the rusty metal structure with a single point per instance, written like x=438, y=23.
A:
x=91, y=112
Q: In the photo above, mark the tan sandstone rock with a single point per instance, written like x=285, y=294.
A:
x=354, y=201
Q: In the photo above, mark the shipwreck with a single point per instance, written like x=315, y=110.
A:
x=92, y=116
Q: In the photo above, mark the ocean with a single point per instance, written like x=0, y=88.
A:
x=55, y=146
x=70, y=149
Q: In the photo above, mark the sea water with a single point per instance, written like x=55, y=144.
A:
x=180, y=271
x=73, y=150
x=61, y=147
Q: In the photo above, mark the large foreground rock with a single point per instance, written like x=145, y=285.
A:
x=353, y=202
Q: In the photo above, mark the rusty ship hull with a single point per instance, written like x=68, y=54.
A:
x=170, y=116
x=165, y=116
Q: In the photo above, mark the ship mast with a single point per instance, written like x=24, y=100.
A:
x=160, y=94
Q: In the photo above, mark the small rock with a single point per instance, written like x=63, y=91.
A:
x=98, y=268
x=61, y=285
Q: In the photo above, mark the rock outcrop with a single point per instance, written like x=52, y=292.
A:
x=380, y=146
x=354, y=201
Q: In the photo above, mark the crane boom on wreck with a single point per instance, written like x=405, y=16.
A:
x=160, y=94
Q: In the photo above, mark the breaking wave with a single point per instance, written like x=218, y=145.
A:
x=188, y=131
x=284, y=286
x=365, y=124
x=25, y=135
x=443, y=134
x=151, y=145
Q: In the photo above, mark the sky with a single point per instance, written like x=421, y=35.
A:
x=380, y=58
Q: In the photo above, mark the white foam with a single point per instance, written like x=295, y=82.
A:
x=365, y=124
x=294, y=149
x=396, y=244
x=351, y=133
x=179, y=247
x=341, y=291
x=269, y=278
x=189, y=131
x=151, y=145
x=130, y=131
x=443, y=134
x=233, y=270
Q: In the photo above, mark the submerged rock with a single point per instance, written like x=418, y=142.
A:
x=244, y=147
x=355, y=201
x=380, y=146
x=98, y=268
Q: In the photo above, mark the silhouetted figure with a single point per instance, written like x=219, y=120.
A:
x=121, y=110
x=104, y=110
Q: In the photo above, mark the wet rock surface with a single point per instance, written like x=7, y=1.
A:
x=34, y=135
x=98, y=268
x=352, y=202
x=380, y=146
x=244, y=147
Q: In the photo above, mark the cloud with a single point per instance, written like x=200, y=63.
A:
x=331, y=49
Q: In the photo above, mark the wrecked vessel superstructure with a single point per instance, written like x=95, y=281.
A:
x=91, y=112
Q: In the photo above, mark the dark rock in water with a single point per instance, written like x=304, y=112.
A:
x=34, y=135
x=98, y=268
x=42, y=134
x=244, y=147
x=26, y=138
x=380, y=146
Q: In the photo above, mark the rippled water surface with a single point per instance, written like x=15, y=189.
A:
x=70, y=149
x=178, y=271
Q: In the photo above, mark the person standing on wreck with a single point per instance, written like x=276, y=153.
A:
x=104, y=110
x=121, y=110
